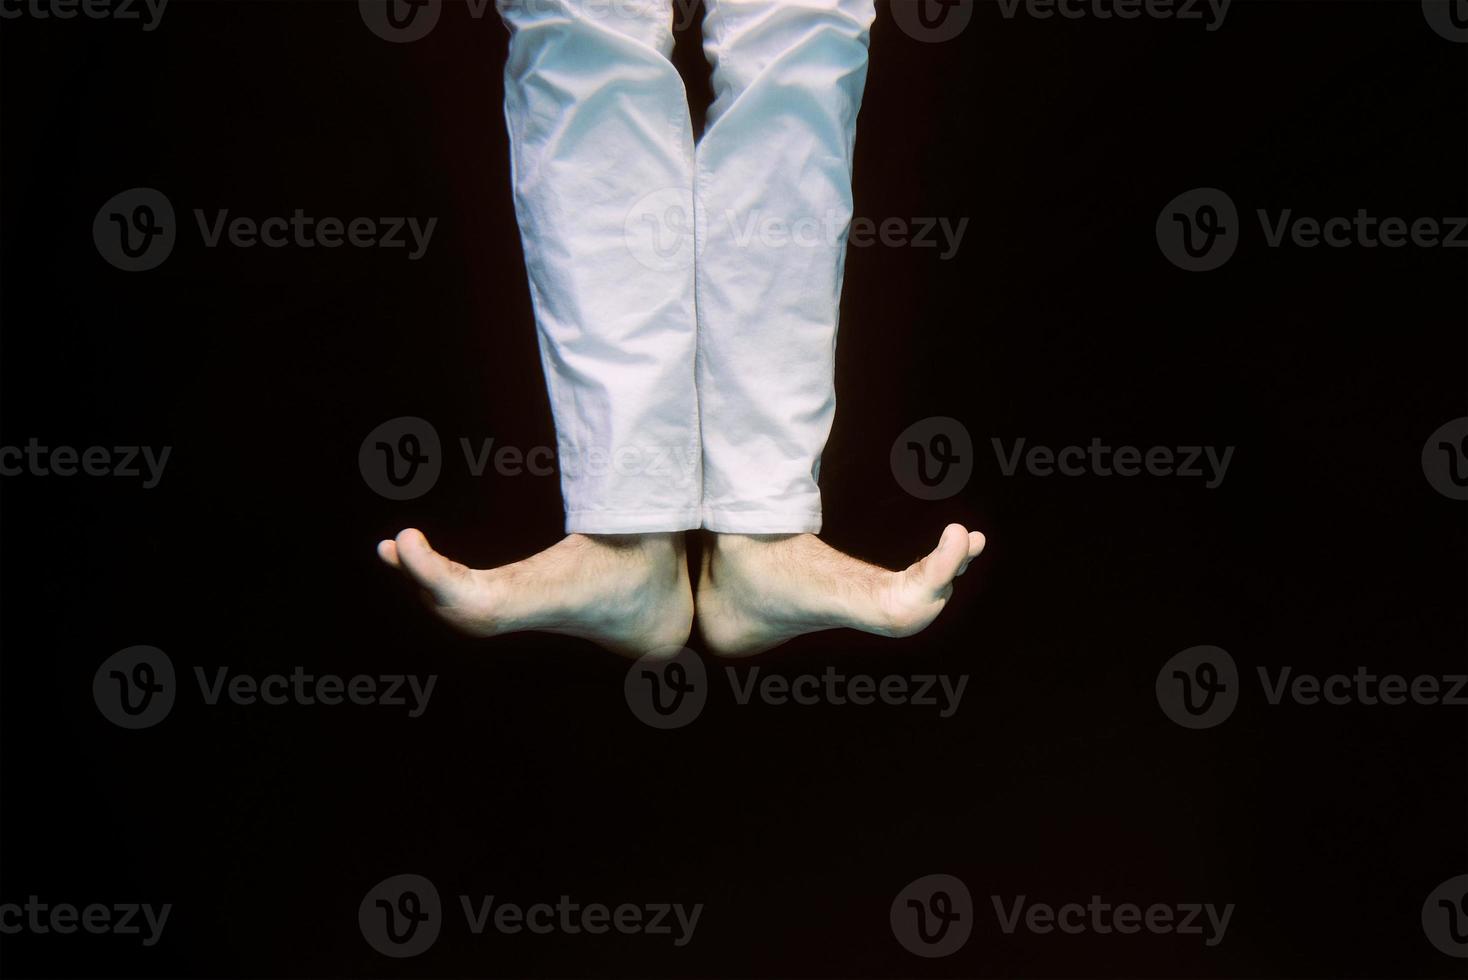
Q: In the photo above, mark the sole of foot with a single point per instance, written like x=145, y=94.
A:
x=627, y=593
x=756, y=592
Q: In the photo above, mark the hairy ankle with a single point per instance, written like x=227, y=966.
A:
x=737, y=546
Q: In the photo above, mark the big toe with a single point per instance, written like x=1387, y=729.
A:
x=433, y=571
x=938, y=570
x=976, y=542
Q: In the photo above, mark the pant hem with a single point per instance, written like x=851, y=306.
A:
x=620, y=522
x=761, y=522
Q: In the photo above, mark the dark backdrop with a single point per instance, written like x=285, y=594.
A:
x=1059, y=320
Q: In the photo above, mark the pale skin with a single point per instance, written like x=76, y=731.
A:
x=633, y=594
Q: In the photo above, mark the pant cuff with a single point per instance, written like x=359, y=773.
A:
x=630, y=522
x=761, y=521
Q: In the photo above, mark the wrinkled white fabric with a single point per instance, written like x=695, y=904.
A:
x=686, y=296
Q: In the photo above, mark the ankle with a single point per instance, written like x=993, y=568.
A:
x=658, y=545
x=737, y=546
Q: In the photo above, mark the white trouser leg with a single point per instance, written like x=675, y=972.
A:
x=773, y=182
x=602, y=156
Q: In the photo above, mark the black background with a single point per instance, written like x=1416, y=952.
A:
x=527, y=778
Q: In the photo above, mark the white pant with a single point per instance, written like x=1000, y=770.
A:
x=686, y=296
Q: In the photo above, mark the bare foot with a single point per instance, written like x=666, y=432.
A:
x=628, y=593
x=758, y=591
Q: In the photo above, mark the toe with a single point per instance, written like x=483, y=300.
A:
x=938, y=569
x=387, y=550
x=976, y=542
x=431, y=570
